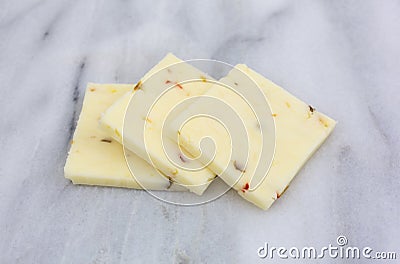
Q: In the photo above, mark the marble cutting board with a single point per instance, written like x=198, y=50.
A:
x=340, y=56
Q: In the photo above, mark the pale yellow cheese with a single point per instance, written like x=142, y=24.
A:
x=128, y=121
x=97, y=159
x=299, y=131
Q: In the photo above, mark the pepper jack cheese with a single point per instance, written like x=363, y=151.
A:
x=299, y=131
x=142, y=130
x=97, y=159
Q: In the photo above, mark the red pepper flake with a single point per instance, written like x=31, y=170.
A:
x=278, y=195
x=171, y=181
x=181, y=157
x=245, y=187
x=138, y=86
x=176, y=84
x=106, y=140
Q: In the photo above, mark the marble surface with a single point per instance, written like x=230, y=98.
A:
x=341, y=56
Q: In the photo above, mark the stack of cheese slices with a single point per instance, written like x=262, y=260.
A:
x=106, y=150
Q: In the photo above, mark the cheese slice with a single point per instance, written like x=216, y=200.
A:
x=97, y=159
x=297, y=133
x=137, y=119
